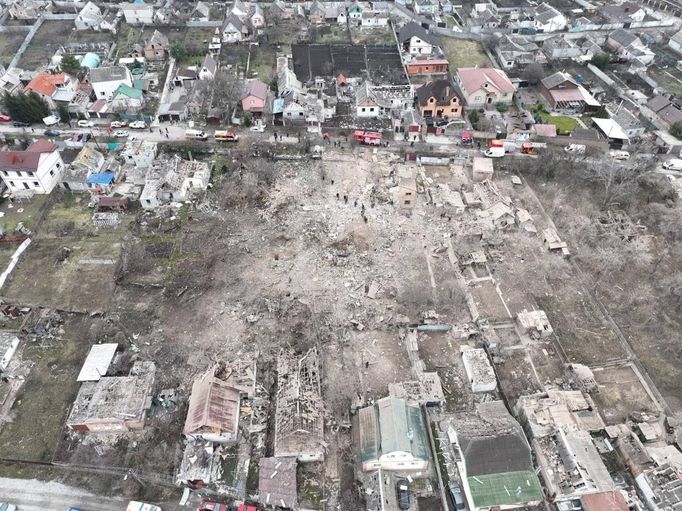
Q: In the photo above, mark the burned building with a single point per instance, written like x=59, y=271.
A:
x=114, y=404
x=299, y=427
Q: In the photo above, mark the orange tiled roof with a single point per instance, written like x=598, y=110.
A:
x=46, y=83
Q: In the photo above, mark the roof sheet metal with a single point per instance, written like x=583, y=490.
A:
x=610, y=128
x=213, y=404
x=370, y=442
x=97, y=362
x=505, y=489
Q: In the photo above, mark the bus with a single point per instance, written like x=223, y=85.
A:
x=225, y=136
x=196, y=134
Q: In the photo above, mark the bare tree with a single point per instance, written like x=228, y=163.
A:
x=227, y=90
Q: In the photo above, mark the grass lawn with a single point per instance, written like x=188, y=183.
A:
x=9, y=44
x=21, y=211
x=563, y=123
x=462, y=53
x=263, y=63
x=44, y=400
x=49, y=38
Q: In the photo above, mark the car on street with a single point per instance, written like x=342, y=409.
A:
x=209, y=505
x=134, y=505
x=620, y=155
x=457, y=496
x=118, y=124
x=20, y=124
x=403, y=494
x=6, y=506
x=85, y=124
x=259, y=128
x=51, y=133
x=121, y=133
x=138, y=125
x=5, y=118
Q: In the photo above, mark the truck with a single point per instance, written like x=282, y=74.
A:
x=367, y=137
x=674, y=164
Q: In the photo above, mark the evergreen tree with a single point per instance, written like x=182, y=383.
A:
x=70, y=64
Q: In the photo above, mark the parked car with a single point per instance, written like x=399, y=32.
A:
x=20, y=124
x=457, y=496
x=209, y=505
x=674, y=164
x=619, y=155
x=52, y=133
x=85, y=124
x=138, y=125
x=494, y=152
x=6, y=506
x=403, y=494
x=118, y=124
x=121, y=133
x=259, y=128
x=575, y=148
x=5, y=118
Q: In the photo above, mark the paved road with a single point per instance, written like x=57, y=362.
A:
x=32, y=495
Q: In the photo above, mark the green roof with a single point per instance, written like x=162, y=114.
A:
x=392, y=425
x=505, y=489
x=128, y=91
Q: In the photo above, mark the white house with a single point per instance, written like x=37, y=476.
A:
x=424, y=7
x=105, y=80
x=371, y=19
x=256, y=17
x=138, y=14
x=234, y=29
x=294, y=111
x=90, y=18
x=126, y=99
x=208, y=68
x=416, y=40
x=239, y=8
x=548, y=19
x=355, y=11
x=393, y=436
x=675, y=42
x=36, y=169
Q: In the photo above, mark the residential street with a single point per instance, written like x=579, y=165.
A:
x=32, y=495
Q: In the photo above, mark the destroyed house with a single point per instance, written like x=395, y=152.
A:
x=299, y=426
x=392, y=436
x=213, y=413
x=174, y=180
x=114, y=404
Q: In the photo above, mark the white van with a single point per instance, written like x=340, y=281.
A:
x=494, y=152
x=674, y=164
x=196, y=134
x=575, y=148
x=134, y=505
x=619, y=155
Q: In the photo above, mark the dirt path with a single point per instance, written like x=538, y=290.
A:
x=33, y=495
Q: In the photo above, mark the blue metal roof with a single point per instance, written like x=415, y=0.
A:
x=101, y=178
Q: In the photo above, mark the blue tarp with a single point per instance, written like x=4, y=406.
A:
x=101, y=178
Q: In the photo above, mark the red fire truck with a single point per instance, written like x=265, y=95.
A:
x=367, y=137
